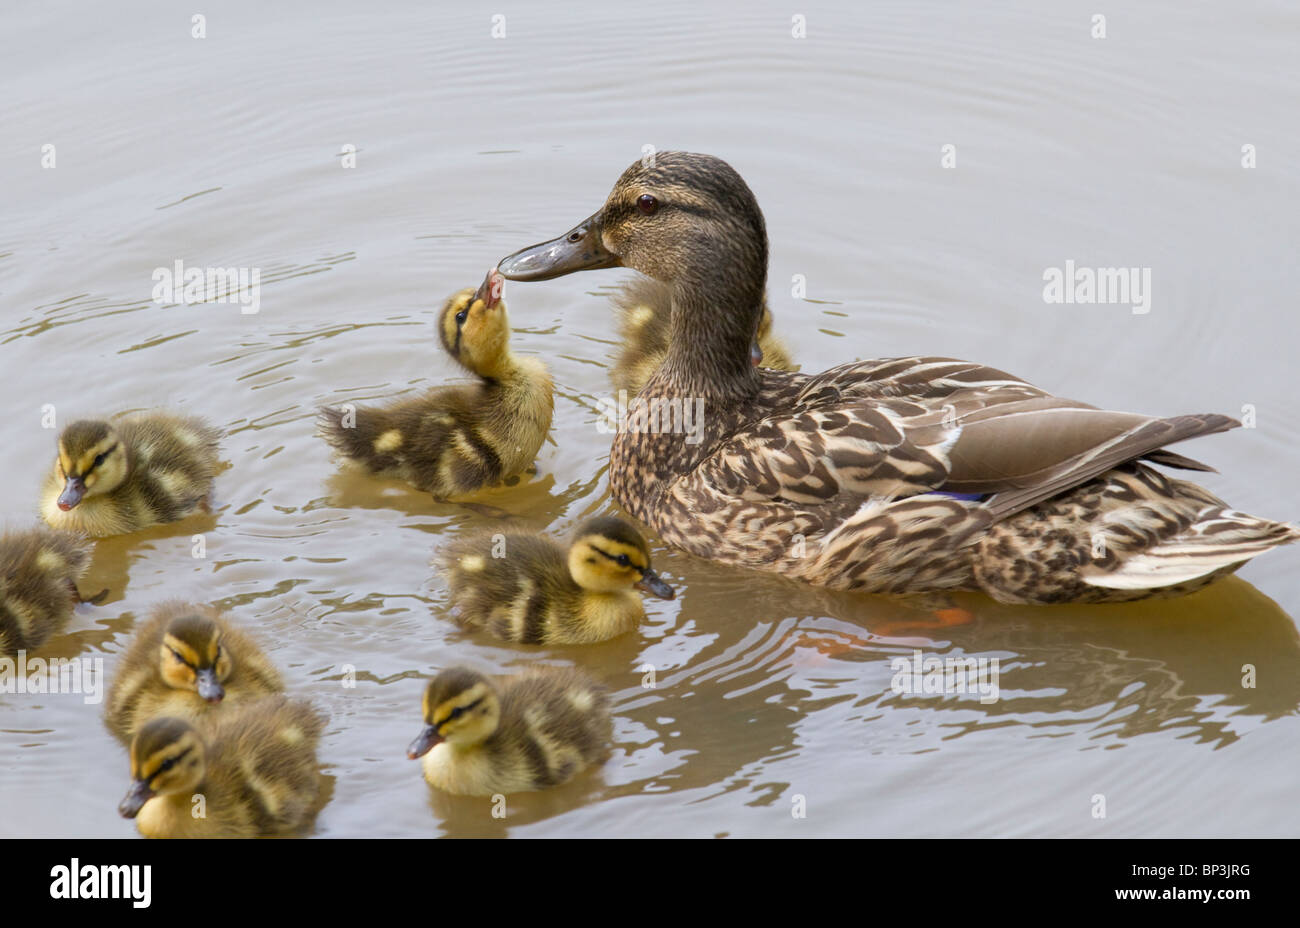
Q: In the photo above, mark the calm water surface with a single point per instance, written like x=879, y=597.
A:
x=224, y=151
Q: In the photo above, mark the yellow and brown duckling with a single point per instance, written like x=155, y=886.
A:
x=254, y=768
x=525, y=587
x=644, y=308
x=459, y=438
x=527, y=732
x=184, y=662
x=39, y=572
x=111, y=478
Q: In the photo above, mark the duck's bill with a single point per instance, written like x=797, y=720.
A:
x=426, y=742
x=136, y=797
x=579, y=249
x=650, y=583
x=210, y=690
x=73, y=491
x=490, y=290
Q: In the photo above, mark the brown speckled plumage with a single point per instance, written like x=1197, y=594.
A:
x=846, y=478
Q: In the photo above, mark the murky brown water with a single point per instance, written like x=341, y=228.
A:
x=223, y=151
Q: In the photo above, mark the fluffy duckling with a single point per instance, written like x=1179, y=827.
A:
x=185, y=661
x=254, y=768
x=644, y=308
x=39, y=570
x=460, y=438
x=525, y=587
x=111, y=478
x=538, y=729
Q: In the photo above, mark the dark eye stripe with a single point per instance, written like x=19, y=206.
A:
x=459, y=711
x=101, y=457
x=619, y=558
x=171, y=762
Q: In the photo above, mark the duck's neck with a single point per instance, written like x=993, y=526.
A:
x=715, y=315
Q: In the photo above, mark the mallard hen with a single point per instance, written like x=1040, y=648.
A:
x=899, y=475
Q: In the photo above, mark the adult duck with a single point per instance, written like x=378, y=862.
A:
x=898, y=475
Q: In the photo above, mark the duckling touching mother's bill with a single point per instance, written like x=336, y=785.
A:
x=458, y=438
x=898, y=475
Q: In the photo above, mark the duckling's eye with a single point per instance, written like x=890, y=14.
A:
x=168, y=764
x=624, y=560
x=462, y=316
x=647, y=204
x=99, y=459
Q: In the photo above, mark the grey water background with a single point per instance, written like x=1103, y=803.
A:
x=224, y=151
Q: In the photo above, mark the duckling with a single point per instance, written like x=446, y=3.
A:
x=185, y=661
x=644, y=308
x=460, y=438
x=538, y=729
x=524, y=587
x=254, y=768
x=111, y=478
x=39, y=570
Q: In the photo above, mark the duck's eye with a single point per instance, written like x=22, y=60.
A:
x=462, y=316
x=99, y=459
x=168, y=764
x=624, y=560
x=647, y=204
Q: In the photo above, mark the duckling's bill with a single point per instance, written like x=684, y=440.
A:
x=651, y=583
x=579, y=249
x=490, y=290
x=209, y=687
x=135, y=798
x=424, y=743
x=73, y=491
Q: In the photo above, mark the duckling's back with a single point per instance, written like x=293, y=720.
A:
x=39, y=570
x=557, y=720
x=513, y=583
x=173, y=462
x=262, y=764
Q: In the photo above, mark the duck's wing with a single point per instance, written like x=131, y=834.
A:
x=896, y=428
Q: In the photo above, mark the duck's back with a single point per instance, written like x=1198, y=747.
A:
x=262, y=763
x=513, y=583
x=557, y=720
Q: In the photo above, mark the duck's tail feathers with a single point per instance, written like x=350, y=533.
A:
x=362, y=434
x=1226, y=539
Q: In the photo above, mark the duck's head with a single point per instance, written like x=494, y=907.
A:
x=474, y=327
x=192, y=656
x=92, y=460
x=610, y=556
x=167, y=756
x=461, y=707
x=691, y=221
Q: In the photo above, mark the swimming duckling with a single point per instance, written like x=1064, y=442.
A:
x=644, y=308
x=460, y=438
x=254, y=768
x=111, y=478
x=524, y=587
x=39, y=570
x=183, y=663
x=538, y=729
